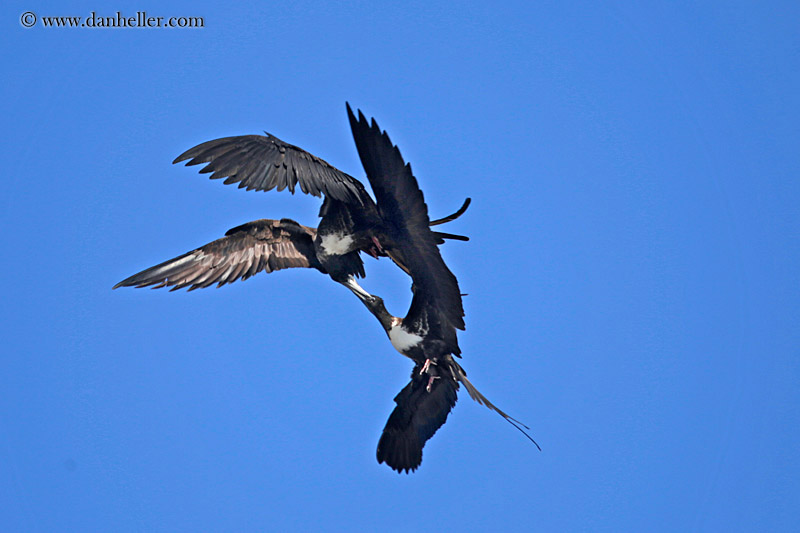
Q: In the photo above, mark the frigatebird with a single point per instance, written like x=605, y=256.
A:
x=350, y=222
x=427, y=334
x=425, y=337
x=264, y=245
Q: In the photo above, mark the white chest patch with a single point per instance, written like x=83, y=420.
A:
x=336, y=243
x=402, y=339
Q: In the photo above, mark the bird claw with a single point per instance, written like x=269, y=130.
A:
x=427, y=365
x=430, y=382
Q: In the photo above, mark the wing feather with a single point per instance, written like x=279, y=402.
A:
x=402, y=204
x=262, y=245
x=264, y=162
x=416, y=418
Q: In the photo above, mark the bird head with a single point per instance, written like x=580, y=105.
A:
x=378, y=308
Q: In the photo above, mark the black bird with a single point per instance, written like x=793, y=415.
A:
x=350, y=220
x=427, y=335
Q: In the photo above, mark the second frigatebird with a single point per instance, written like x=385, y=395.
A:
x=351, y=222
x=263, y=245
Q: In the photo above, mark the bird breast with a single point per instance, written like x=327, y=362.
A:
x=336, y=243
x=403, y=340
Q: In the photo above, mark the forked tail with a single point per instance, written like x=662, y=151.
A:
x=481, y=399
x=450, y=218
x=442, y=236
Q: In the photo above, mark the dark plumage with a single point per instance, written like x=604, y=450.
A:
x=262, y=245
x=424, y=404
x=351, y=222
x=419, y=413
x=264, y=162
x=427, y=334
x=402, y=204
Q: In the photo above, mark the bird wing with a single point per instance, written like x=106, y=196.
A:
x=263, y=245
x=264, y=162
x=401, y=205
x=418, y=415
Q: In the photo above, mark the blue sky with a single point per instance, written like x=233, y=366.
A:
x=632, y=270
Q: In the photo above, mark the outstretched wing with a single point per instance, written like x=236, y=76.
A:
x=403, y=209
x=418, y=415
x=263, y=245
x=264, y=162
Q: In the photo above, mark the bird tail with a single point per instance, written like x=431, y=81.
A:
x=441, y=236
x=476, y=395
x=450, y=218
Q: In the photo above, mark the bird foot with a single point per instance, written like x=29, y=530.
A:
x=427, y=365
x=430, y=382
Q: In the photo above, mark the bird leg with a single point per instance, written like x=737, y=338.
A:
x=374, y=249
x=426, y=369
x=427, y=365
x=430, y=382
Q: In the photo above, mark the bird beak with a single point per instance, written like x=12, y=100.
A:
x=364, y=297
